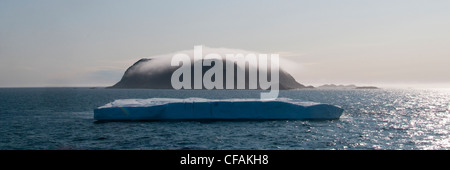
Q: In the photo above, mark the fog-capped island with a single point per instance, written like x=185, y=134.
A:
x=150, y=73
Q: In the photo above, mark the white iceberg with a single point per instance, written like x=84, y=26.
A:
x=226, y=109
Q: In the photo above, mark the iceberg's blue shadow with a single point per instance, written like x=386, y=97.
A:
x=209, y=109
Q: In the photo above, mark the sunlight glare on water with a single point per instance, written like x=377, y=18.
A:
x=55, y=118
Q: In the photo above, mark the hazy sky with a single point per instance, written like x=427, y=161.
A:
x=92, y=42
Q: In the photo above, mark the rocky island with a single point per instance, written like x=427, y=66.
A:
x=150, y=73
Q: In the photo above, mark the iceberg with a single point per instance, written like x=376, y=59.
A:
x=212, y=109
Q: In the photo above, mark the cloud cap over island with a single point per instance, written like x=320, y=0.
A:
x=156, y=72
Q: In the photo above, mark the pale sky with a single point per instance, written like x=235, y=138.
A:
x=92, y=42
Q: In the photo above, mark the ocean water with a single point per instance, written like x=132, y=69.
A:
x=62, y=118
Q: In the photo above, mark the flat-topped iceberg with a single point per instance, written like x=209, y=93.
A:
x=227, y=109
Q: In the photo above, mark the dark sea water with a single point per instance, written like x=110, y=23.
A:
x=62, y=118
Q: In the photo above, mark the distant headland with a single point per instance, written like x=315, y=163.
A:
x=351, y=86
